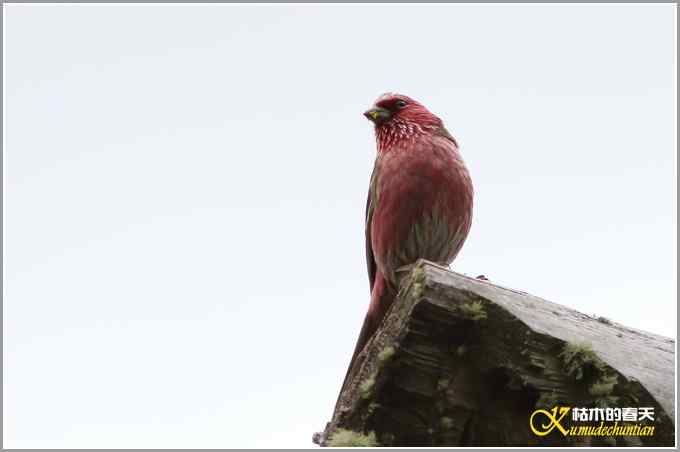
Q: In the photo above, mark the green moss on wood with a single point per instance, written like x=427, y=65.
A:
x=446, y=423
x=577, y=357
x=366, y=387
x=416, y=291
x=418, y=273
x=604, y=386
x=348, y=438
x=474, y=311
x=385, y=355
x=603, y=390
x=417, y=281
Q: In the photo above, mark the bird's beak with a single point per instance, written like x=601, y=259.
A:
x=378, y=115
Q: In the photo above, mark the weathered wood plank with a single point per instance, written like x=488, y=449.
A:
x=460, y=361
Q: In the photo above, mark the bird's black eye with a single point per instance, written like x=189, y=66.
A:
x=401, y=103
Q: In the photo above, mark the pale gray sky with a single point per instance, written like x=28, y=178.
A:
x=185, y=187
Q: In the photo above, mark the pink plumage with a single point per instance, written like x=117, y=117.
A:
x=419, y=200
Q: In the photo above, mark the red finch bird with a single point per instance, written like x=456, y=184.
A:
x=419, y=200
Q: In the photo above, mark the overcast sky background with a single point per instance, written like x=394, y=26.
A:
x=184, y=194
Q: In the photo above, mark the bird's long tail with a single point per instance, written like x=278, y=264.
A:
x=382, y=297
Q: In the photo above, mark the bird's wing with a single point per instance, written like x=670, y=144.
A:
x=445, y=133
x=369, y=325
x=370, y=204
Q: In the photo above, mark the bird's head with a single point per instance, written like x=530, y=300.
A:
x=399, y=119
x=394, y=109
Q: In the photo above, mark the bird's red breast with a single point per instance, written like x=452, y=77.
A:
x=422, y=203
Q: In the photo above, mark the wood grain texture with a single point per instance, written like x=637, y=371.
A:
x=459, y=361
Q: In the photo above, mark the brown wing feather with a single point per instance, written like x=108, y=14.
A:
x=370, y=258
